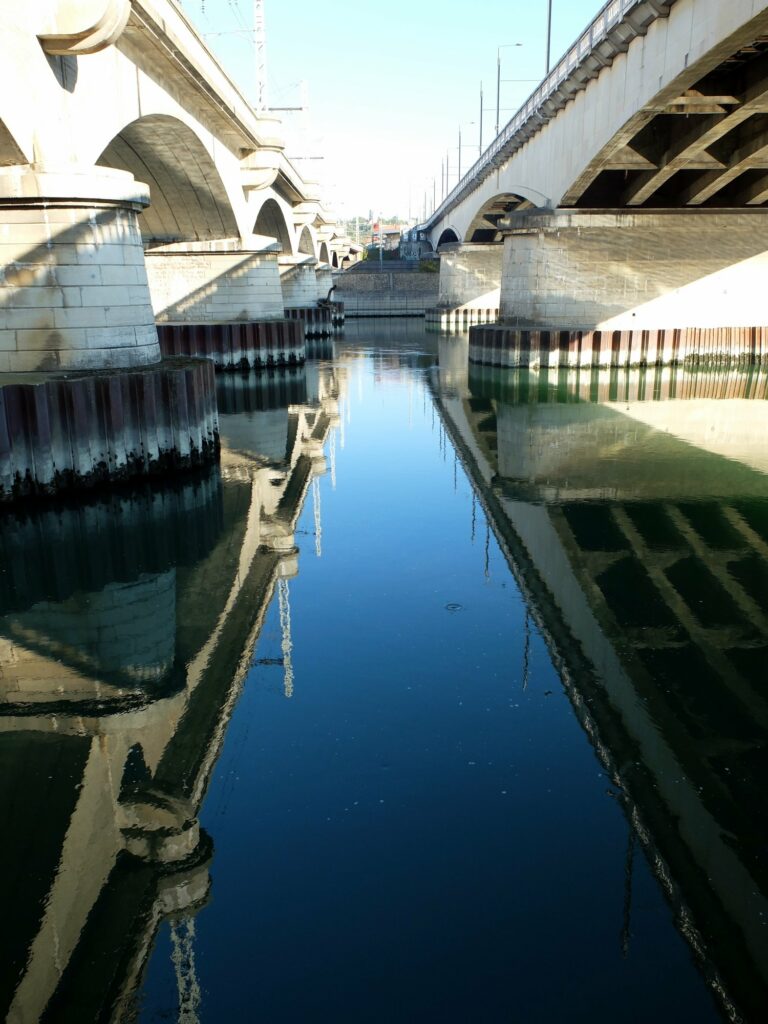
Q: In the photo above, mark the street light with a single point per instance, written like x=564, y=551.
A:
x=504, y=46
x=458, y=179
x=549, y=35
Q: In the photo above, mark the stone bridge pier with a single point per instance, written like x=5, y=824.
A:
x=84, y=393
x=223, y=299
x=470, y=280
x=74, y=287
x=610, y=288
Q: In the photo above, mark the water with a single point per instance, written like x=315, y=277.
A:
x=489, y=747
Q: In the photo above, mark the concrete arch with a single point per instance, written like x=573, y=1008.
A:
x=324, y=253
x=272, y=221
x=10, y=150
x=335, y=260
x=447, y=237
x=305, y=244
x=482, y=227
x=189, y=201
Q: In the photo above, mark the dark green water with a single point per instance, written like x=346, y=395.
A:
x=444, y=699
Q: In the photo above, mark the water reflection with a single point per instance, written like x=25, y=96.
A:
x=633, y=509
x=127, y=626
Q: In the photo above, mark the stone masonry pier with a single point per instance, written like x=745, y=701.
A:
x=616, y=288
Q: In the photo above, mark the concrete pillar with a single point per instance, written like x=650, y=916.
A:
x=223, y=301
x=608, y=288
x=304, y=282
x=298, y=280
x=323, y=280
x=470, y=279
x=90, y=399
x=73, y=285
x=573, y=270
x=213, y=283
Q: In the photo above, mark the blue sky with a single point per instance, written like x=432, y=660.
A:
x=389, y=84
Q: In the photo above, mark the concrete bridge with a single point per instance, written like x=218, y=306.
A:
x=631, y=508
x=629, y=192
x=122, y=656
x=137, y=187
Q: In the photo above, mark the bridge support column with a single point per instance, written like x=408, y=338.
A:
x=222, y=300
x=615, y=288
x=74, y=289
x=302, y=279
x=470, y=279
x=84, y=395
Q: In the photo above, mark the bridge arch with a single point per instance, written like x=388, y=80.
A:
x=271, y=220
x=189, y=200
x=483, y=226
x=335, y=260
x=447, y=237
x=305, y=244
x=324, y=255
x=10, y=150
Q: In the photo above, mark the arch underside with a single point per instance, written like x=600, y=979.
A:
x=324, y=255
x=484, y=226
x=306, y=246
x=447, y=237
x=706, y=147
x=10, y=151
x=271, y=221
x=188, y=199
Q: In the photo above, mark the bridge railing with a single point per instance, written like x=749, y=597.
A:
x=608, y=17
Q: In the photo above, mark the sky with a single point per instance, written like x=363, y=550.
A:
x=389, y=86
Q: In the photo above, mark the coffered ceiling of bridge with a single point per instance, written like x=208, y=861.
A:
x=189, y=201
x=704, y=145
x=484, y=226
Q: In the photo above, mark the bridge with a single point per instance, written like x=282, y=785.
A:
x=138, y=188
x=628, y=194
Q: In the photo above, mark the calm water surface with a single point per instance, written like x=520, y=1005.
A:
x=443, y=700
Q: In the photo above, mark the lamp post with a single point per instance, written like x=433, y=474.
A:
x=458, y=179
x=549, y=35
x=504, y=46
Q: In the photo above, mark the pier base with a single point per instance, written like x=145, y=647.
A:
x=237, y=345
x=61, y=433
x=501, y=345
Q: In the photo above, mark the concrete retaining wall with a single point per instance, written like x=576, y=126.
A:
x=386, y=293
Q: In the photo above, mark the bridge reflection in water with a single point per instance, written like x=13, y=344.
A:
x=632, y=508
x=127, y=627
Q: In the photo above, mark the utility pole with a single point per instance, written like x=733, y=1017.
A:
x=260, y=39
x=480, y=144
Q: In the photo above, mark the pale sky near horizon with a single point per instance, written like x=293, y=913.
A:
x=390, y=84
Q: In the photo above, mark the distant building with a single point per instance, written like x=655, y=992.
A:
x=414, y=245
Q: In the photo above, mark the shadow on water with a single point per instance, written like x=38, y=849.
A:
x=127, y=624
x=632, y=508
